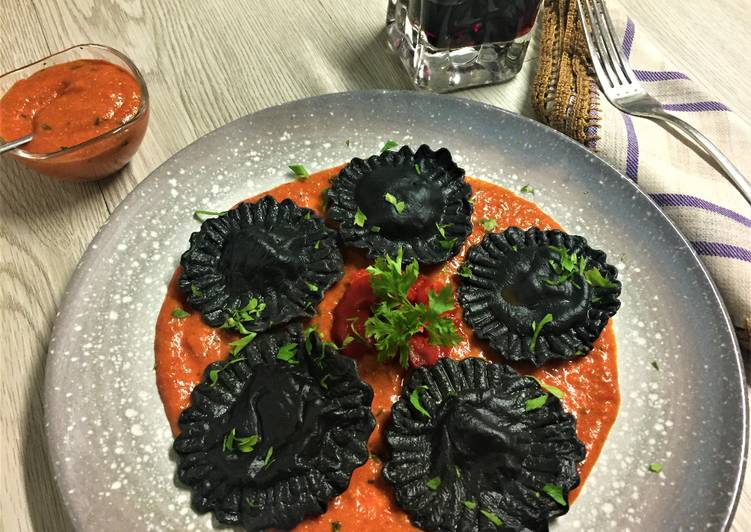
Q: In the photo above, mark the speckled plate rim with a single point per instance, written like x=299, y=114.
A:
x=119, y=217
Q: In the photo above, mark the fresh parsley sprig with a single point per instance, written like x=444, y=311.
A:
x=395, y=319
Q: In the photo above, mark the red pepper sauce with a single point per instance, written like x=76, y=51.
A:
x=184, y=347
x=66, y=104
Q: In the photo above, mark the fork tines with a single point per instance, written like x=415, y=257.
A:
x=608, y=59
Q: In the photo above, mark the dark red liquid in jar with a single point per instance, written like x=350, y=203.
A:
x=459, y=23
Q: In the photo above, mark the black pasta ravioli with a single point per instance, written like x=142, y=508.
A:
x=278, y=253
x=277, y=435
x=480, y=457
x=415, y=201
x=538, y=295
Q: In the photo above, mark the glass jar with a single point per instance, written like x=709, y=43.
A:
x=447, y=45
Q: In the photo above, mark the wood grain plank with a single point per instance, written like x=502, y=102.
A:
x=30, y=497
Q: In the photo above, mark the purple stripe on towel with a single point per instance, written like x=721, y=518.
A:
x=717, y=249
x=659, y=75
x=632, y=149
x=628, y=37
x=696, y=107
x=684, y=200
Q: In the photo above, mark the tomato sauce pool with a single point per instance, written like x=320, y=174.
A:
x=69, y=103
x=184, y=347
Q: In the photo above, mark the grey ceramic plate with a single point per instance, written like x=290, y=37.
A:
x=107, y=432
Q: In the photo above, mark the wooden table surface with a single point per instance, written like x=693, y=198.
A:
x=207, y=63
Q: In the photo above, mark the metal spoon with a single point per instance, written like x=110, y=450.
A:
x=13, y=144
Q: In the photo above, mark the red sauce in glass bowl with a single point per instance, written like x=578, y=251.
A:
x=70, y=108
x=185, y=346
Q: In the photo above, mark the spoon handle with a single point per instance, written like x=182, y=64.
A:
x=13, y=144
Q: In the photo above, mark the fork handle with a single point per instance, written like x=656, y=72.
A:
x=732, y=173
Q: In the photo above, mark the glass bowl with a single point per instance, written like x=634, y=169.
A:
x=99, y=156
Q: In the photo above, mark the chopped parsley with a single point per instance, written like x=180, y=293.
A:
x=565, y=267
x=470, y=504
x=312, y=287
x=568, y=264
x=389, y=145
x=488, y=224
x=237, y=321
x=536, y=403
x=447, y=243
x=654, y=363
x=490, y=516
x=245, y=444
x=434, y=483
x=526, y=189
x=239, y=345
x=317, y=244
x=307, y=217
x=414, y=399
x=323, y=380
x=347, y=142
x=199, y=214
x=267, y=460
x=655, y=468
x=248, y=313
x=398, y=205
x=360, y=218
x=418, y=169
x=286, y=354
x=395, y=319
x=536, y=328
x=442, y=229
x=336, y=526
x=560, y=394
x=555, y=493
x=464, y=271
x=214, y=373
x=195, y=291
x=301, y=173
x=375, y=228
x=595, y=278
x=180, y=313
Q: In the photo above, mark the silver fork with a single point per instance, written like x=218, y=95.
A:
x=624, y=91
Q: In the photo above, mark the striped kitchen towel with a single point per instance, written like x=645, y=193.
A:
x=709, y=211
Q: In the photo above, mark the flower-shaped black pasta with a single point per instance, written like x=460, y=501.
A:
x=538, y=295
x=278, y=253
x=474, y=447
x=415, y=201
x=277, y=434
